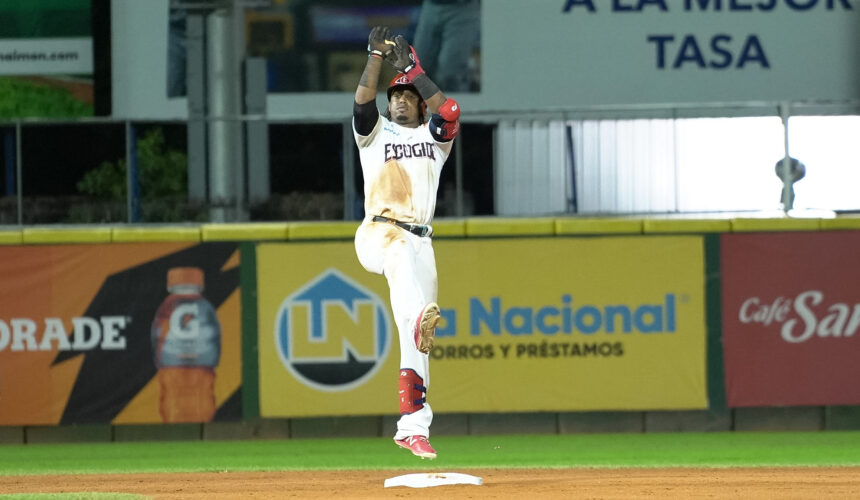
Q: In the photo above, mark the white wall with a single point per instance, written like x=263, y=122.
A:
x=139, y=61
x=676, y=165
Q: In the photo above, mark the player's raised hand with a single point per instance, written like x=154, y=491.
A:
x=379, y=41
x=403, y=58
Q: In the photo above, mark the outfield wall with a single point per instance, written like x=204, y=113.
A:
x=552, y=325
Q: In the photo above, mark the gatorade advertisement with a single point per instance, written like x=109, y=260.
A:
x=131, y=333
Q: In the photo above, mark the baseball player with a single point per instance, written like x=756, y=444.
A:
x=401, y=160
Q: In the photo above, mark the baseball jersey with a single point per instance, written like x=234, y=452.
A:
x=401, y=168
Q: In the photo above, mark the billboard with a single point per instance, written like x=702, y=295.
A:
x=791, y=312
x=671, y=51
x=119, y=333
x=553, y=324
x=46, y=58
x=621, y=54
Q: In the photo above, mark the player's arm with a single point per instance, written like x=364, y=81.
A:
x=364, y=111
x=445, y=112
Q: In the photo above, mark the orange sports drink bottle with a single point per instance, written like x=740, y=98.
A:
x=186, y=341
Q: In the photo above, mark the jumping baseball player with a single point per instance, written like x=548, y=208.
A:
x=401, y=160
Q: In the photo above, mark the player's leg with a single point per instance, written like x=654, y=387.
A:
x=403, y=269
x=407, y=263
x=425, y=269
x=382, y=248
x=405, y=284
x=369, y=240
x=416, y=413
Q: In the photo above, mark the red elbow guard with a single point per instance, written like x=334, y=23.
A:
x=450, y=110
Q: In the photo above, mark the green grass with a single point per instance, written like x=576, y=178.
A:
x=20, y=98
x=724, y=449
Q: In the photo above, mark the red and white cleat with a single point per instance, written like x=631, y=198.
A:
x=425, y=327
x=418, y=445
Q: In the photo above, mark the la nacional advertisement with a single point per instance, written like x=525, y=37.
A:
x=791, y=315
x=528, y=324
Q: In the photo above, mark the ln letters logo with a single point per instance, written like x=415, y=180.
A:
x=332, y=334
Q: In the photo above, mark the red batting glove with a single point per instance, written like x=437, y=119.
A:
x=414, y=69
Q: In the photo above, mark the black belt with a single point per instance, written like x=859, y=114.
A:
x=416, y=229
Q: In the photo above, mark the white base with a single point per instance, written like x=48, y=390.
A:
x=426, y=480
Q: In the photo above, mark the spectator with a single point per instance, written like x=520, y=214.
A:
x=447, y=33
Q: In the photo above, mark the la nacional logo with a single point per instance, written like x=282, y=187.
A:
x=332, y=334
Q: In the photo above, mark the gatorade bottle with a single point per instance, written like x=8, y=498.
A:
x=186, y=341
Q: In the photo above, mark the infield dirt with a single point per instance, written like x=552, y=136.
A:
x=799, y=483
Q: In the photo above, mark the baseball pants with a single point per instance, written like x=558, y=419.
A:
x=409, y=264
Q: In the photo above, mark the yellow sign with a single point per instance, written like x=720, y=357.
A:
x=538, y=324
x=559, y=324
x=325, y=333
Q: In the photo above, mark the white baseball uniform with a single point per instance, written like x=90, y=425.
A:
x=401, y=168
